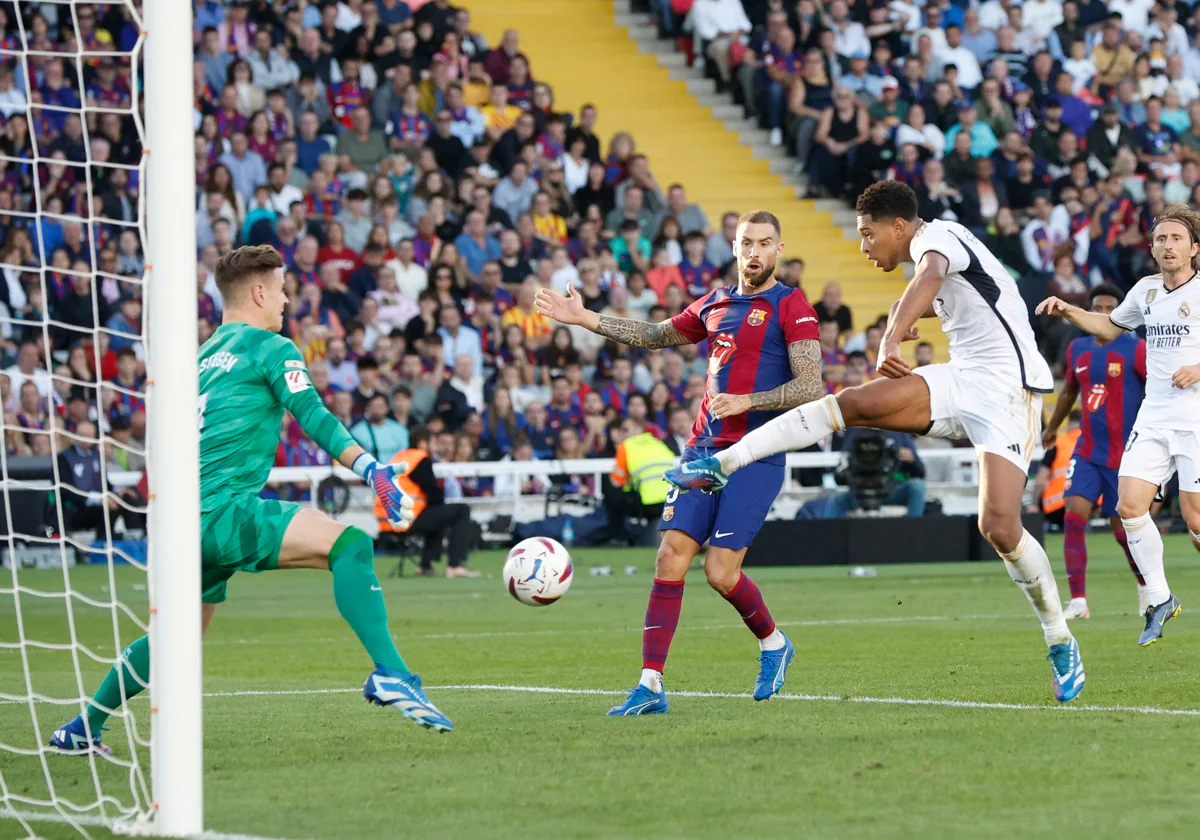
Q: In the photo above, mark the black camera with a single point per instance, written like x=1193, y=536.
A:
x=870, y=464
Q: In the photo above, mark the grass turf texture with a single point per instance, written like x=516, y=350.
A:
x=551, y=765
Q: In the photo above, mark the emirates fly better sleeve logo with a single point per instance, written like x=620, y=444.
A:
x=723, y=348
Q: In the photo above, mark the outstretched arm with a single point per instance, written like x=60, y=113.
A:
x=1093, y=323
x=913, y=305
x=569, y=310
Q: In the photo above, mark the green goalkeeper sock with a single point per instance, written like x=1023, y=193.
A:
x=359, y=597
x=133, y=668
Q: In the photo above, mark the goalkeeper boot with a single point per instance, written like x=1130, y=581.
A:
x=72, y=739
x=403, y=692
x=772, y=668
x=1156, y=617
x=1068, y=670
x=643, y=700
x=702, y=474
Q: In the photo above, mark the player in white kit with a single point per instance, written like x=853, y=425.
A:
x=1166, y=434
x=990, y=392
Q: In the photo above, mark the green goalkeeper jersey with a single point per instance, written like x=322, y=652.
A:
x=248, y=377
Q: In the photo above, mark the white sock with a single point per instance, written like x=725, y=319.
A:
x=651, y=679
x=1146, y=546
x=1030, y=570
x=799, y=428
x=773, y=642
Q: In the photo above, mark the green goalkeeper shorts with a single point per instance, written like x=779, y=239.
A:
x=242, y=535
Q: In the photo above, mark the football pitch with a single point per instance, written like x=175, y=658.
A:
x=919, y=705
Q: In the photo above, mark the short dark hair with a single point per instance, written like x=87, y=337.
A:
x=761, y=217
x=887, y=200
x=241, y=264
x=420, y=435
x=1105, y=290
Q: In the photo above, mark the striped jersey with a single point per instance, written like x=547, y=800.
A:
x=748, y=338
x=1111, y=379
x=248, y=377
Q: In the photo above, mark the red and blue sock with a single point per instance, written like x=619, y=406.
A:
x=748, y=601
x=662, y=617
x=1123, y=541
x=1075, y=553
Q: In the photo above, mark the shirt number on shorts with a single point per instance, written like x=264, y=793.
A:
x=1129, y=443
x=1071, y=469
x=201, y=404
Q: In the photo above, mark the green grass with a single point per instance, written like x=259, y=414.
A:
x=551, y=765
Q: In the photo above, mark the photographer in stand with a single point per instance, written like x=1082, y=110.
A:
x=883, y=468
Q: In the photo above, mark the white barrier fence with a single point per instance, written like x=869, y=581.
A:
x=952, y=476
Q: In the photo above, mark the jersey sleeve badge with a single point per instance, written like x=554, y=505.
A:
x=293, y=363
x=296, y=381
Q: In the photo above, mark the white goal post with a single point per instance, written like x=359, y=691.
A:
x=173, y=446
x=61, y=627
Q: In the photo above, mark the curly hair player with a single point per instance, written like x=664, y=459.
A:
x=1165, y=437
x=250, y=374
x=764, y=357
x=990, y=393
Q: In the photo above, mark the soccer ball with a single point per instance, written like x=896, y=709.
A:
x=538, y=571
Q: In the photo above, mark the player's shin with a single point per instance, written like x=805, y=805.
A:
x=131, y=673
x=1146, y=546
x=662, y=618
x=359, y=597
x=746, y=598
x=1075, y=553
x=797, y=429
x=1030, y=570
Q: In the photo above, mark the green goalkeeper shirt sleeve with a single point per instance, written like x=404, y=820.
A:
x=285, y=370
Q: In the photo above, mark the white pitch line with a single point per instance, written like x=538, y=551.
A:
x=100, y=822
x=722, y=695
x=560, y=631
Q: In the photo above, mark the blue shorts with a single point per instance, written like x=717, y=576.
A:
x=731, y=517
x=1091, y=481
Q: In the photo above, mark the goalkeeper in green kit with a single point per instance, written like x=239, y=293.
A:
x=249, y=374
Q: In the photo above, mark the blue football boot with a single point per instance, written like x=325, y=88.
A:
x=642, y=701
x=702, y=474
x=1068, y=670
x=71, y=739
x=772, y=669
x=403, y=692
x=1156, y=617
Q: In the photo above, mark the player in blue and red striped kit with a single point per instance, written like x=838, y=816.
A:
x=1111, y=376
x=764, y=358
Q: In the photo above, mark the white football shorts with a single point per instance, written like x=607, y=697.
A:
x=999, y=417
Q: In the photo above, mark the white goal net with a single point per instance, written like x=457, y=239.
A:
x=96, y=347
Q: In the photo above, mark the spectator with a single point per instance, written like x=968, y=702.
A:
x=831, y=308
x=379, y=434
x=690, y=217
x=514, y=194
x=245, y=166
x=842, y=126
x=718, y=24
x=459, y=339
x=475, y=245
x=360, y=149
x=1042, y=237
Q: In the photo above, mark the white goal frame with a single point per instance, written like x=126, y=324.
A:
x=173, y=441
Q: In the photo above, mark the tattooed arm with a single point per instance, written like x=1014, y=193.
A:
x=639, y=333
x=569, y=309
x=806, y=384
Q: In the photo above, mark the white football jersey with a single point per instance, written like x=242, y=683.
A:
x=981, y=310
x=1172, y=322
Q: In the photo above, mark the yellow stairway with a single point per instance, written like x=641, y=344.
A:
x=577, y=47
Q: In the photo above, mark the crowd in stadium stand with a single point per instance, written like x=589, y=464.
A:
x=422, y=184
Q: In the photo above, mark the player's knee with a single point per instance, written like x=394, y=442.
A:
x=1131, y=509
x=354, y=545
x=671, y=563
x=721, y=579
x=1001, y=530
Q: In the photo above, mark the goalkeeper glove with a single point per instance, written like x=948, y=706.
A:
x=382, y=479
